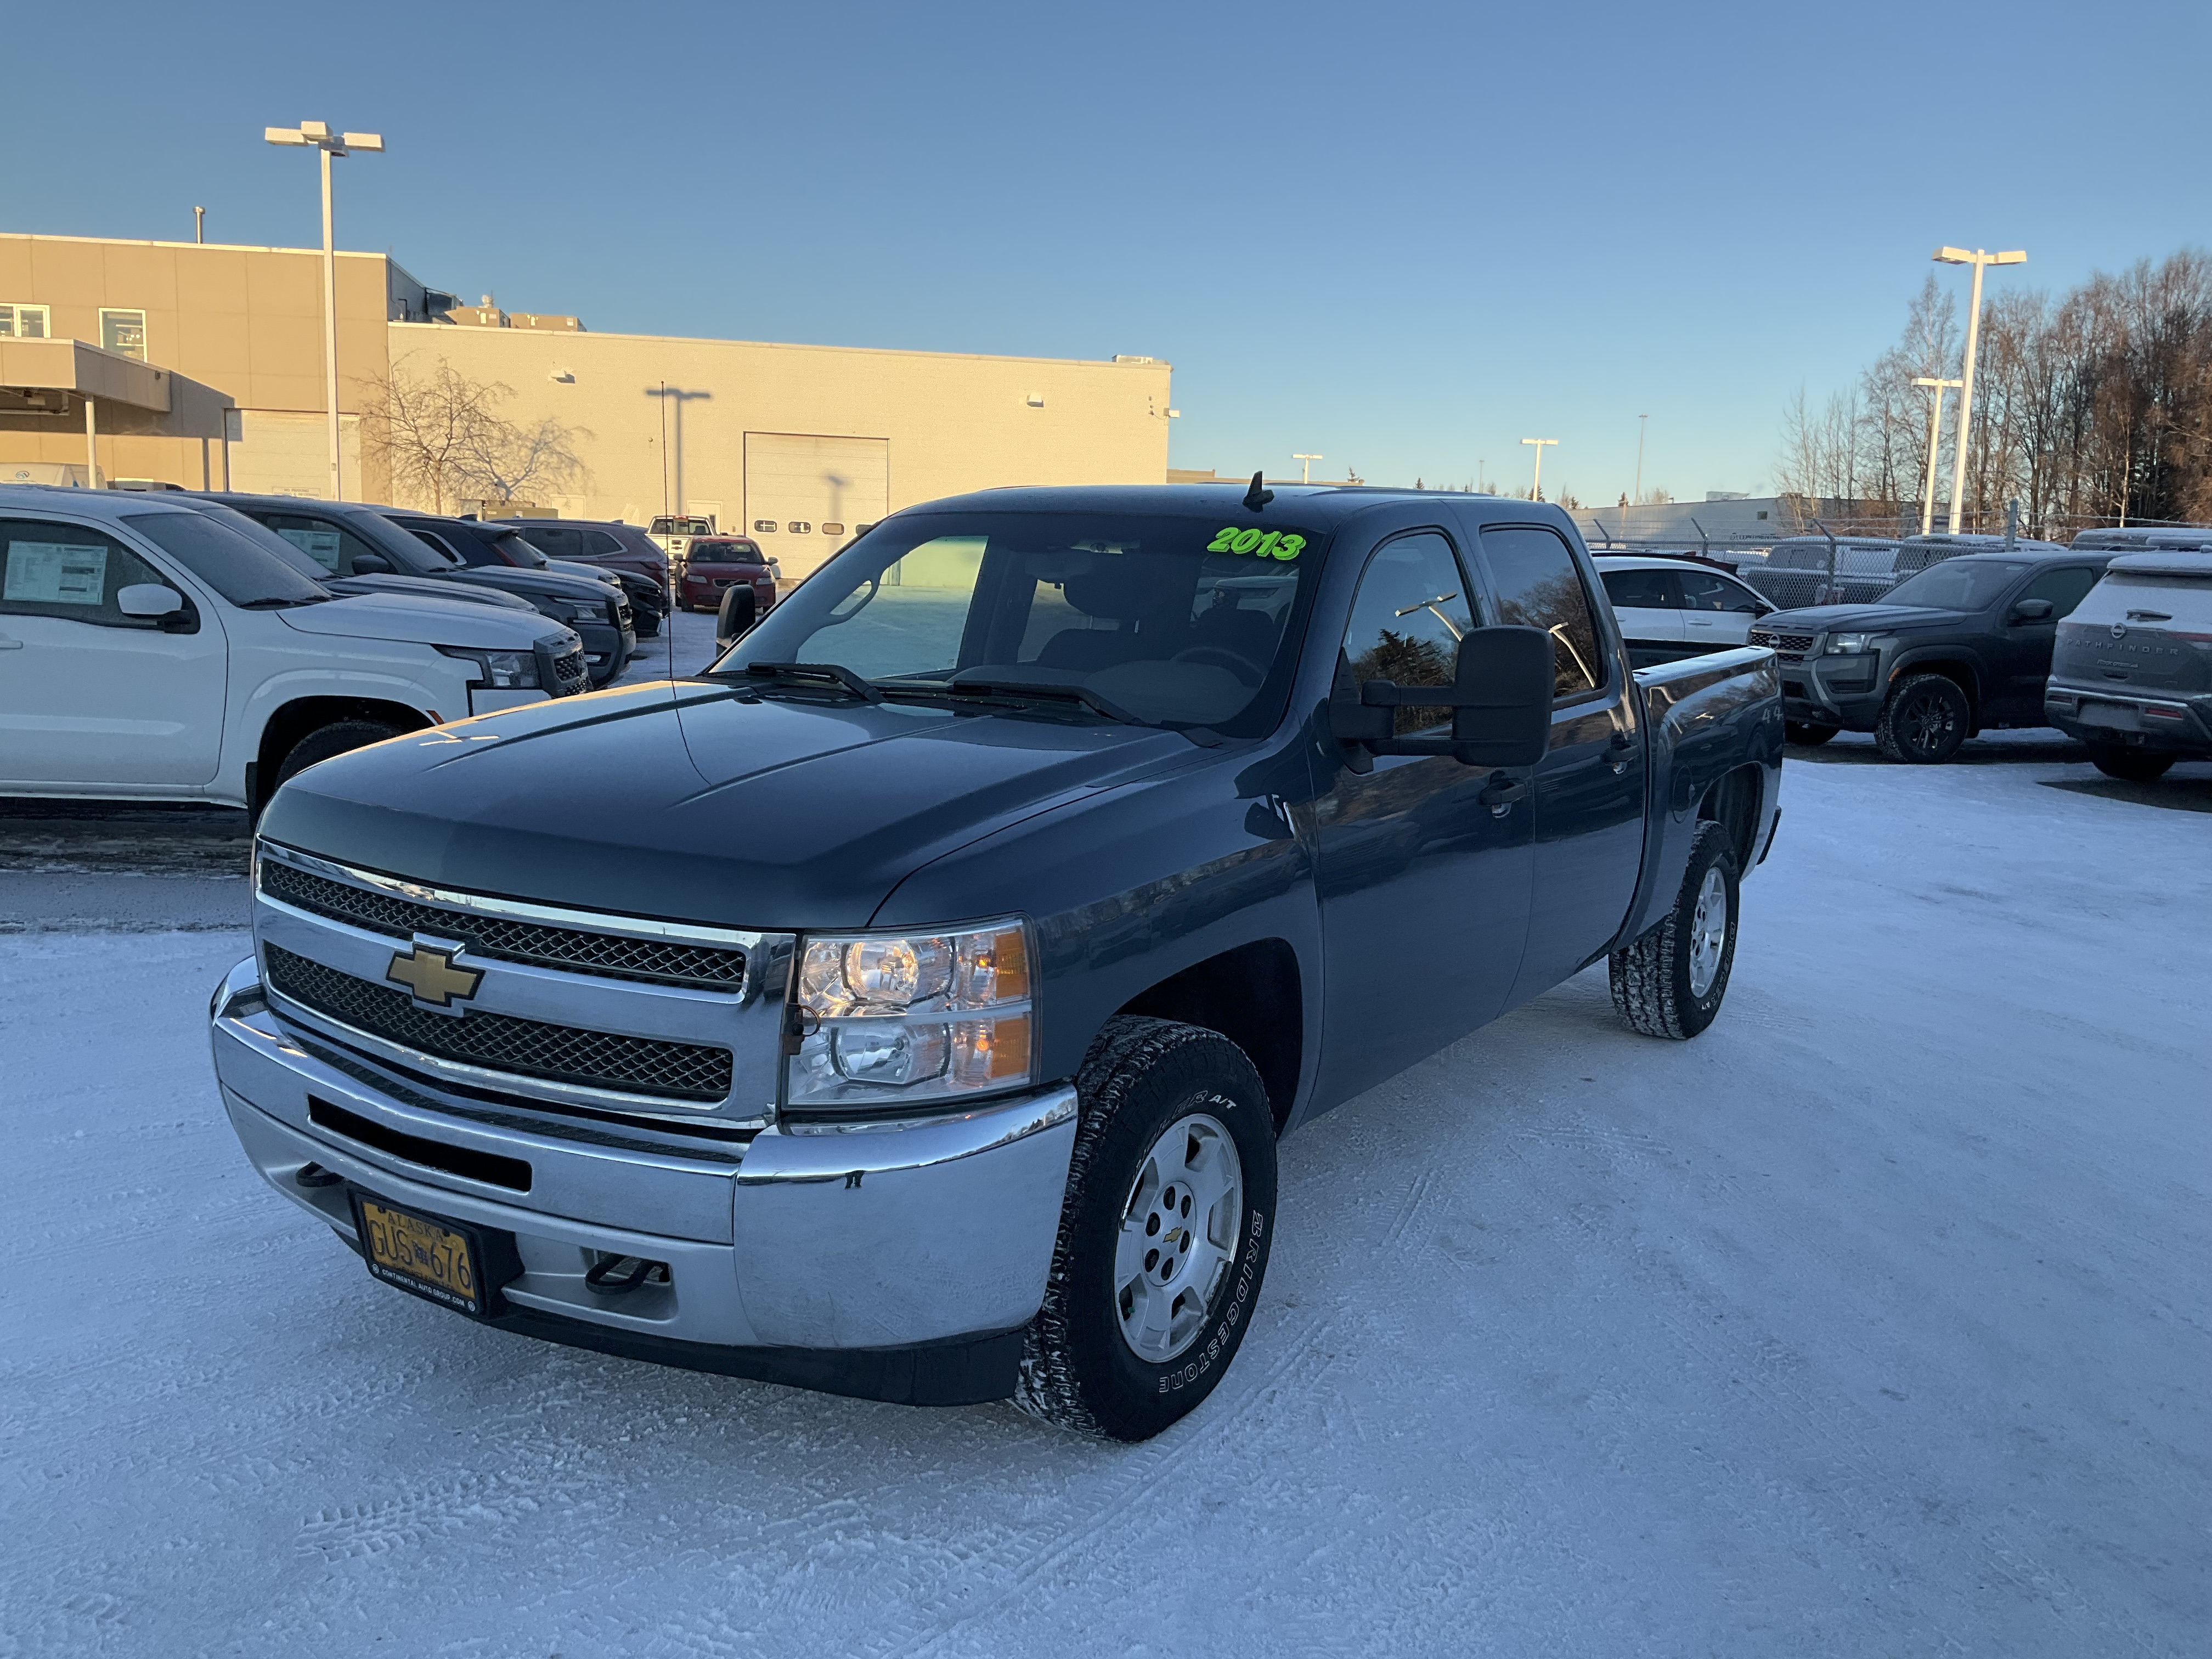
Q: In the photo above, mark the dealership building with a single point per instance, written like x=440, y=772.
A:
x=201, y=364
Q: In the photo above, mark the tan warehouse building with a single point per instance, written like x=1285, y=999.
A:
x=811, y=439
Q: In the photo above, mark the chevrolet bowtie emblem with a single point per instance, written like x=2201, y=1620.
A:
x=427, y=971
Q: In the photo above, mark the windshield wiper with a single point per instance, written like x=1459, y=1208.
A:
x=813, y=676
x=277, y=603
x=964, y=685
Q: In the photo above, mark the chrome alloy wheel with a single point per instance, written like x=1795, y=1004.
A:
x=1178, y=1243
x=1708, y=933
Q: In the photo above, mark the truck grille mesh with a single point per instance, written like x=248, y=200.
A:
x=608, y=955
x=500, y=1042
x=1790, y=648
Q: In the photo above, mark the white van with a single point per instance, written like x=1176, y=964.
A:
x=149, y=652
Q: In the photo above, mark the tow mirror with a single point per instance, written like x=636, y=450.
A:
x=2032, y=610
x=1500, y=698
x=149, y=599
x=371, y=564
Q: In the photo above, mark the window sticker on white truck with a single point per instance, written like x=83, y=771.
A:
x=56, y=573
x=320, y=545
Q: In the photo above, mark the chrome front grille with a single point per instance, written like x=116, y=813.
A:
x=561, y=1053
x=661, y=962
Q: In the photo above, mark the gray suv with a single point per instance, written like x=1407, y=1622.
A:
x=2132, y=675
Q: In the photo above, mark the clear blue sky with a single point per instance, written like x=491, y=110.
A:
x=1403, y=235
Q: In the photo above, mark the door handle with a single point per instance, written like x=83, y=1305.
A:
x=7, y=644
x=1500, y=792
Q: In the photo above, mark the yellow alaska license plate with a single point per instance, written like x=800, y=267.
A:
x=435, y=1258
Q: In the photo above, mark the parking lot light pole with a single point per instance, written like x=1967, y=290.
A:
x=1934, y=437
x=1980, y=261
x=1536, y=488
x=1305, y=474
x=318, y=135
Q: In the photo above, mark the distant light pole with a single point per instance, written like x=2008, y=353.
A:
x=1980, y=261
x=1306, y=473
x=1536, y=489
x=1636, y=496
x=1935, y=435
x=318, y=135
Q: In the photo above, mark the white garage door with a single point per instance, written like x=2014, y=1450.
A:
x=283, y=454
x=805, y=497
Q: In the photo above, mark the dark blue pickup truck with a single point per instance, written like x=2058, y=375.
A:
x=909, y=1007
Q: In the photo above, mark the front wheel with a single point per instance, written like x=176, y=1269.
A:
x=1670, y=982
x=1924, y=721
x=2130, y=765
x=326, y=743
x=1164, y=1236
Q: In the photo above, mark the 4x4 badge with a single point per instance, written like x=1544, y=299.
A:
x=427, y=971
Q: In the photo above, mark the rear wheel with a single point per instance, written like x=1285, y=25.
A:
x=1807, y=736
x=1670, y=982
x=2130, y=765
x=1925, y=719
x=326, y=743
x=1164, y=1236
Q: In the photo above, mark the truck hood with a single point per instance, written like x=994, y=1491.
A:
x=514, y=579
x=1860, y=619
x=422, y=620
x=429, y=587
x=700, y=803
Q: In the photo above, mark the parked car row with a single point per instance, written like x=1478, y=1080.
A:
x=1926, y=641
x=162, y=647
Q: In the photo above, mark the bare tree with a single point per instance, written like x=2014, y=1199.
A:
x=444, y=440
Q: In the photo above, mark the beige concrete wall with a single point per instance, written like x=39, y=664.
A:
x=952, y=422
x=246, y=321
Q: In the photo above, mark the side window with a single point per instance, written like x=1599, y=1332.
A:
x=552, y=541
x=599, y=543
x=66, y=570
x=329, y=545
x=2065, y=588
x=1642, y=589
x=1707, y=589
x=1538, y=586
x=1412, y=611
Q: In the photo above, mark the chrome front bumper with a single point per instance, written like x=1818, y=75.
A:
x=855, y=1238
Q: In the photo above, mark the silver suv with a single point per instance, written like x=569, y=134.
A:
x=2131, y=675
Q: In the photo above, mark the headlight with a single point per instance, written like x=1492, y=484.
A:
x=504, y=671
x=886, y=1019
x=574, y=611
x=1848, y=645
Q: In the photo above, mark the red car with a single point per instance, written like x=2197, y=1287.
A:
x=713, y=563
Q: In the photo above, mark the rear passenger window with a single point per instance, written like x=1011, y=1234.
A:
x=1705, y=590
x=65, y=570
x=1538, y=586
x=1412, y=613
x=552, y=541
x=598, y=542
x=1642, y=589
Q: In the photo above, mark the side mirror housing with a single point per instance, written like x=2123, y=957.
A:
x=1500, y=698
x=2032, y=610
x=371, y=564
x=149, y=599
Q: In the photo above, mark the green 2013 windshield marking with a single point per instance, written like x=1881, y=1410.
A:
x=1258, y=544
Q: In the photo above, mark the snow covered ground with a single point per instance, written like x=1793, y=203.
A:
x=1875, y=1322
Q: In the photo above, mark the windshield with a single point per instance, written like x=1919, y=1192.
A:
x=276, y=543
x=1956, y=584
x=514, y=546
x=720, y=552
x=1174, y=621
x=239, y=568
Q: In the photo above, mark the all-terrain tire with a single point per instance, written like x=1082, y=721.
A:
x=326, y=743
x=1653, y=979
x=1807, y=736
x=1141, y=1077
x=2130, y=765
x=1924, y=720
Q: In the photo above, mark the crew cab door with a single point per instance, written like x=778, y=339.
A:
x=2024, y=644
x=88, y=695
x=1589, y=787
x=1424, y=886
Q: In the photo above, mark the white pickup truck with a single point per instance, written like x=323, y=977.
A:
x=148, y=651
